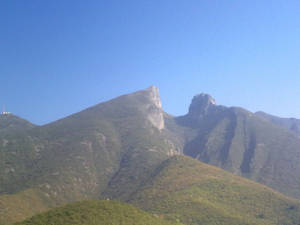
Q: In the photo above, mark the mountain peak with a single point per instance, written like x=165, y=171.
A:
x=201, y=104
x=150, y=104
x=10, y=123
x=155, y=112
x=154, y=97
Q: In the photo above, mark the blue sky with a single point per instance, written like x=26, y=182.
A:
x=59, y=57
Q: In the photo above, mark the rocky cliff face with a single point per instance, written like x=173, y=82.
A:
x=154, y=108
x=201, y=104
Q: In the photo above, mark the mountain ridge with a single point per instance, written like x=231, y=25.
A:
x=245, y=144
x=111, y=150
x=77, y=157
x=291, y=124
x=10, y=123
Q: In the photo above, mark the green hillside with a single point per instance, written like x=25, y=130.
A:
x=186, y=190
x=183, y=190
x=22, y=205
x=96, y=213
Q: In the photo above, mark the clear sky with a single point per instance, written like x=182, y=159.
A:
x=58, y=57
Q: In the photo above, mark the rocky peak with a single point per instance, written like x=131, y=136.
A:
x=201, y=104
x=154, y=108
x=153, y=95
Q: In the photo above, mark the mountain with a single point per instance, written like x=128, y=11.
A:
x=243, y=143
x=96, y=213
x=114, y=144
x=114, y=149
x=291, y=124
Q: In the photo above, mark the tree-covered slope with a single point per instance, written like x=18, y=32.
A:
x=186, y=190
x=96, y=213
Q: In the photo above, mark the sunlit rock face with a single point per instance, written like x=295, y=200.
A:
x=154, y=108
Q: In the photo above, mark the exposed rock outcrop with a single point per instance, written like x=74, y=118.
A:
x=155, y=111
x=201, y=104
